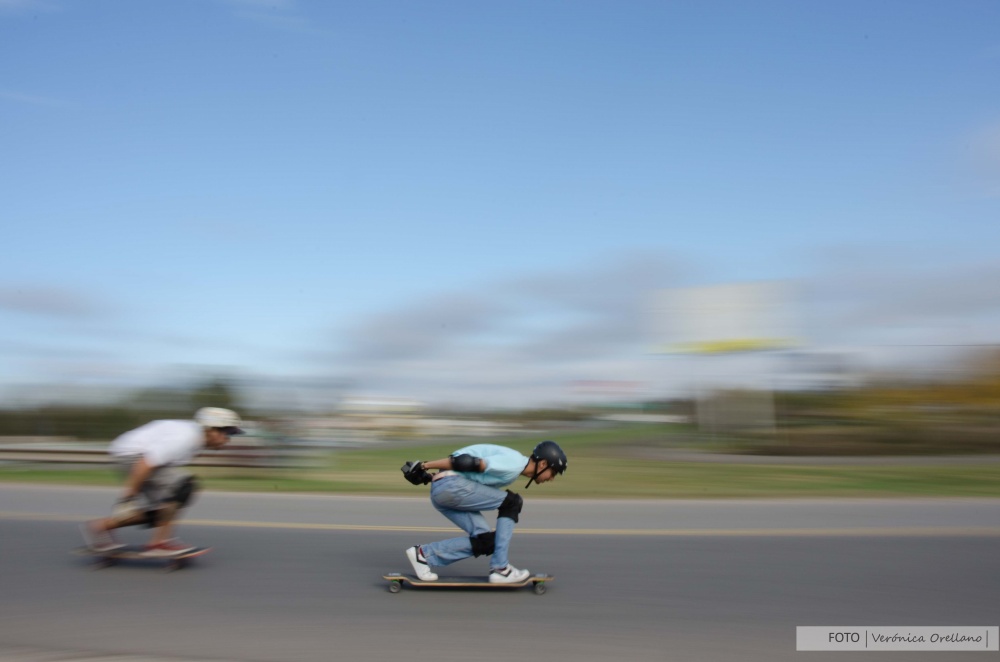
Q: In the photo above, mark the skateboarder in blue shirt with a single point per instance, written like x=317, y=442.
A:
x=468, y=482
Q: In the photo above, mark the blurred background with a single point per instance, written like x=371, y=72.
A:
x=732, y=255
x=664, y=233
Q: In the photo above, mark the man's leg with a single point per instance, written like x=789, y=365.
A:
x=96, y=532
x=461, y=501
x=507, y=516
x=171, y=490
x=163, y=528
x=446, y=552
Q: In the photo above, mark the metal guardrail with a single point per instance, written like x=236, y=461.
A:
x=231, y=456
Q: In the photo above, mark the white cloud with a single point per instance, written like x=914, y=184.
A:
x=276, y=14
x=985, y=155
x=897, y=308
x=49, y=301
x=528, y=339
x=274, y=5
x=289, y=23
x=32, y=99
x=18, y=7
x=518, y=340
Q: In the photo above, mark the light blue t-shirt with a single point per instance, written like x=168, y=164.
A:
x=503, y=465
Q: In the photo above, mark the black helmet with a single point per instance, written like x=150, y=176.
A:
x=553, y=456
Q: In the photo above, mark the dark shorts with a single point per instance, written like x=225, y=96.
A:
x=161, y=484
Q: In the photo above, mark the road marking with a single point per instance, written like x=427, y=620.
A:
x=874, y=532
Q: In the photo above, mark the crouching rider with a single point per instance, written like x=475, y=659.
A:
x=468, y=482
x=156, y=488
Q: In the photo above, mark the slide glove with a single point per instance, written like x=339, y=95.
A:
x=415, y=473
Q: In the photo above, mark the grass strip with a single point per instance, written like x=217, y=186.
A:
x=603, y=463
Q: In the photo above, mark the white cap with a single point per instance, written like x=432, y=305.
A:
x=217, y=417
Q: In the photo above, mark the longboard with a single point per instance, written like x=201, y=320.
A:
x=104, y=559
x=397, y=579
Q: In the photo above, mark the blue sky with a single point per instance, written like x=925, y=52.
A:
x=472, y=201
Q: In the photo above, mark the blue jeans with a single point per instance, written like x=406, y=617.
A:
x=461, y=500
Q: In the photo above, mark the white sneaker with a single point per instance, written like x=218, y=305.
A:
x=172, y=547
x=508, y=575
x=99, y=540
x=420, y=567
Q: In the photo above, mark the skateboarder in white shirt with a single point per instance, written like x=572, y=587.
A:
x=156, y=489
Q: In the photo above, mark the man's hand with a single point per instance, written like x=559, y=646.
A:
x=126, y=507
x=415, y=473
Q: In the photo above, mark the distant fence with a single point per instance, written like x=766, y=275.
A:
x=231, y=456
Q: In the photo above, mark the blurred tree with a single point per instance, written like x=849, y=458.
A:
x=170, y=400
x=216, y=393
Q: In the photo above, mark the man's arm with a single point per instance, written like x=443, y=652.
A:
x=140, y=472
x=128, y=505
x=458, y=463
x=416, y=472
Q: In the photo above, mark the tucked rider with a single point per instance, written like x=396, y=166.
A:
x=465, y=484
x=156, y=489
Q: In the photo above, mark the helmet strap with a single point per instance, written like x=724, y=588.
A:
x=532, y=479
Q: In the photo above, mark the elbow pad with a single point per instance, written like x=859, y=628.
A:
x=465, y=463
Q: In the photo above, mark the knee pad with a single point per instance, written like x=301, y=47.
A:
x=184, y=492
x=511, y=506
x=482, y=545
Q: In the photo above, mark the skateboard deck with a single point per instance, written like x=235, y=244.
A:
x=107, y=558
x=397, y=579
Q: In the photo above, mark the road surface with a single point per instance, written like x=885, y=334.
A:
x=298, y=578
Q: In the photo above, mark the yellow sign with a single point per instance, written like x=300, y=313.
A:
x=724, y=319
x=728, y=346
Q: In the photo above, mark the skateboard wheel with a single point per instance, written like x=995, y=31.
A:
x=394, y=587
x=539, y=588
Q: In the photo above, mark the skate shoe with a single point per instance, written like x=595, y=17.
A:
x=171, y=547
x=420, y=567
x=508, y=575
x=99, y=539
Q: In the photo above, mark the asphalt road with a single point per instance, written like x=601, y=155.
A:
x=299, y=579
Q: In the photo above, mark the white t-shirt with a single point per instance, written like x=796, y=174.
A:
x=162, y=443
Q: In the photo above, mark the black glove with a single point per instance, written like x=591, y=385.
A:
x=415, y=473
